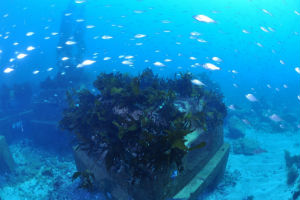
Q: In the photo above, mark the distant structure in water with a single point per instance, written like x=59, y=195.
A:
x=36, y=111
x=71, y=46
x=52, y=97
x=70, y=52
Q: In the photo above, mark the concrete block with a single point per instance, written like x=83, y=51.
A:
x=206, y=176
x=7, y=163
x=186, y=186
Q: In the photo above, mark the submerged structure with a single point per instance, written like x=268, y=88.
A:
x=35, y=111
x=71, y=46
x=51, y=98
x=145, y=137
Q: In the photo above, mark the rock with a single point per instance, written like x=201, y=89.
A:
x=234, y=133
x=7, y=164
x=236, y=122
x=292, y=167
x=230, y=179
x=292, y=175
x=57, y=183
x=247, y=147
x=291, y=160
x=251, y=197
x=296, y=193
x=47, y=172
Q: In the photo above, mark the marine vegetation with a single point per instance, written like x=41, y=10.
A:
x=87, y=179
x=140, y=123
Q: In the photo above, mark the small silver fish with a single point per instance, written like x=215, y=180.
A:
x=197, y=82
x=204, y=18
x=251, y=97
x=275, y=118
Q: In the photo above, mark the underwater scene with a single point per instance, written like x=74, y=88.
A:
x=150, y=100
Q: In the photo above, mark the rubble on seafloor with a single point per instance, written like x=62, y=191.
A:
x=247, y=147
x=46, y=175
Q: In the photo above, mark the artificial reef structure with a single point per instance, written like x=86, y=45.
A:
x=35, y=111
x=50, y=101
x=147, y=137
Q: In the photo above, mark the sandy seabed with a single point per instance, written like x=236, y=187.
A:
x=262, y=176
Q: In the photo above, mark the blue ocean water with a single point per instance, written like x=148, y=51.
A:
x=250, y=48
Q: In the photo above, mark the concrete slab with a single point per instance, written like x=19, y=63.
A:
x=206, y=176
x=7, y=163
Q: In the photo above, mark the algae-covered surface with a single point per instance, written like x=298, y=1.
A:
x=46, y=175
